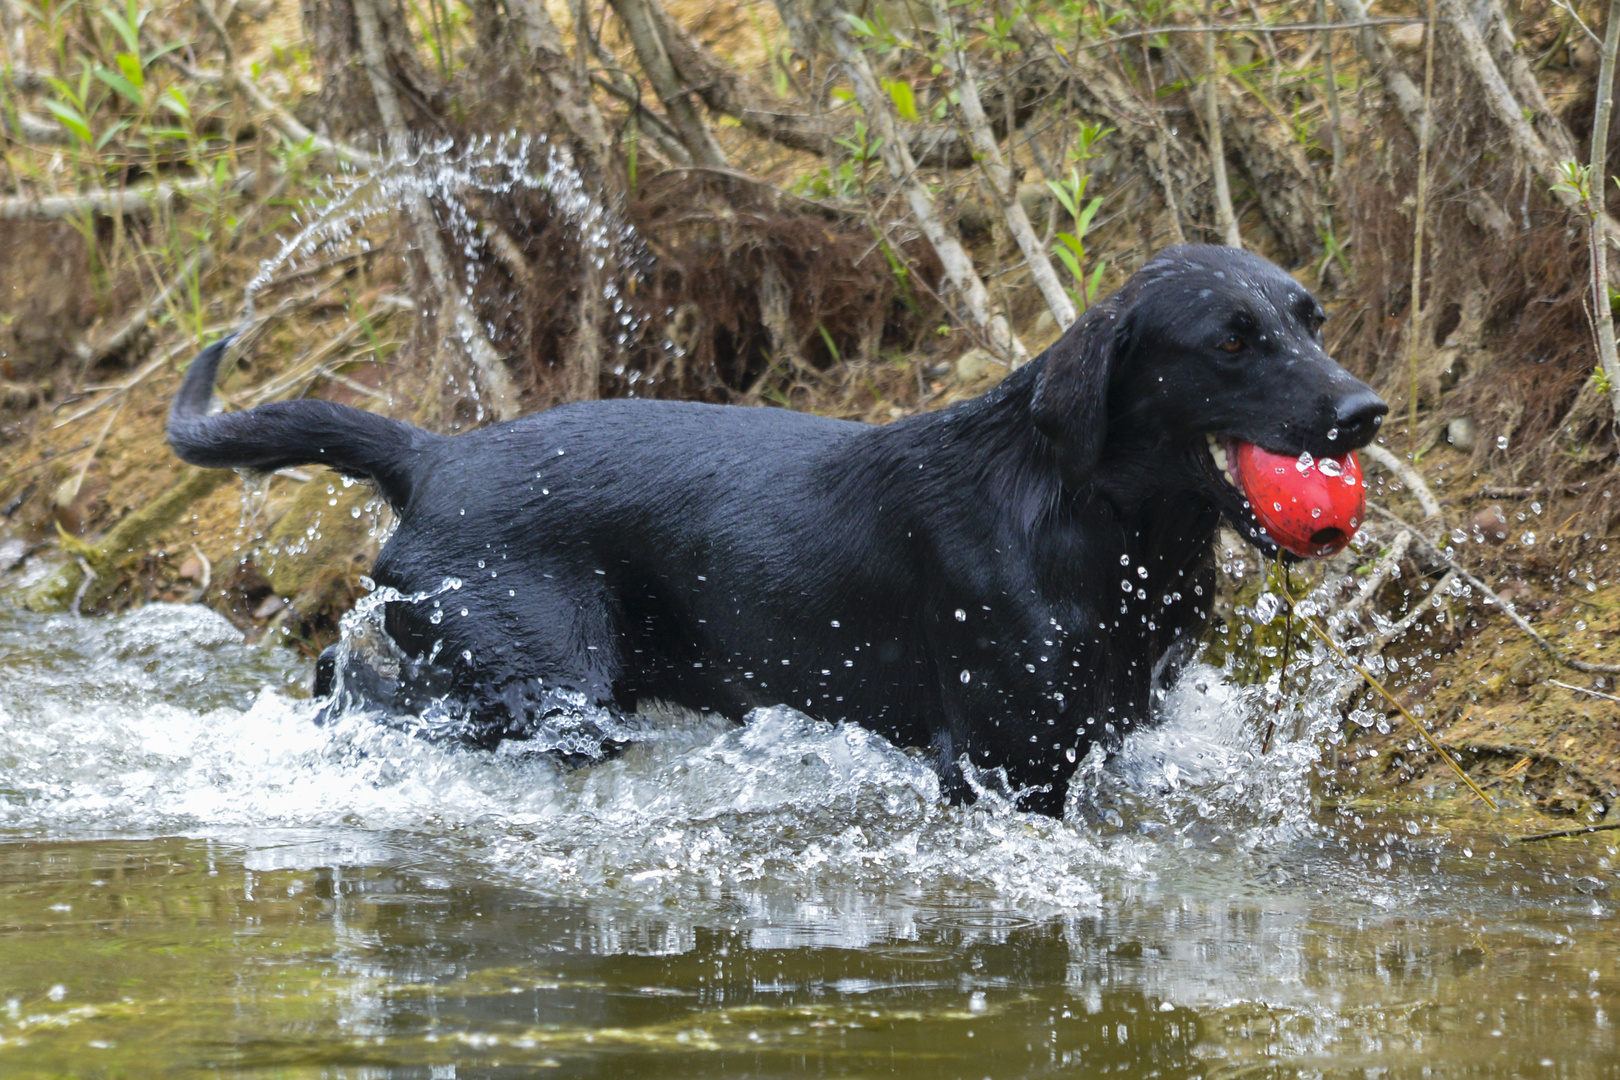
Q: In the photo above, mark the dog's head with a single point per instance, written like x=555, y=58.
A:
x=1203, y=347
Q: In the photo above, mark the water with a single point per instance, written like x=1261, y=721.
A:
x=196, y=880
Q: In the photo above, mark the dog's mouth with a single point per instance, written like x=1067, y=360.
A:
x=1312, y=506
x=1215, y=461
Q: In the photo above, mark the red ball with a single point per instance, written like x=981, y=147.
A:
x=1311, y=507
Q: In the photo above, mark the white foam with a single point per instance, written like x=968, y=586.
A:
x=700, y=810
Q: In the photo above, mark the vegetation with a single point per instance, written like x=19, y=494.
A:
x=458, y=210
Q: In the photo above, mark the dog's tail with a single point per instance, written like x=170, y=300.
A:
x=284, y=433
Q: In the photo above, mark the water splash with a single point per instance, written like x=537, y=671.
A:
x=454, y=177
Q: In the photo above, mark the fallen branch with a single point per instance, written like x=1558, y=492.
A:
x=1561, y=833
x=1505, y=107
x=1363, y=23
x=34, y=129
x=642, y=29
x=1224, y=216
x=289, y=124
x=1493, y=22
x=103, y=203
x=1584, y=690
x=1407, y=475
x=571, y=99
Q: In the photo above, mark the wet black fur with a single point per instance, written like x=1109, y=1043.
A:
x=952, y=580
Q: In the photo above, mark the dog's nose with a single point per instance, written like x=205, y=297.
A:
x=1356, y=418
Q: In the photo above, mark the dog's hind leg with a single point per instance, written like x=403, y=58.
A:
x=525, y=655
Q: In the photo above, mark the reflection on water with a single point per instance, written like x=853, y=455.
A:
x=195, y=879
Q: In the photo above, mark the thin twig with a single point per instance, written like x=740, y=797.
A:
x=1561, y=833
x=1249, y=28
x=1570, y=10
x=1597, y=195
x=1584, y=690
x=1420, y=218
x=44, y=460
x=120, y=338
x=1407, y=475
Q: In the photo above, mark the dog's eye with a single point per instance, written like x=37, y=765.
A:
x=1231, y=344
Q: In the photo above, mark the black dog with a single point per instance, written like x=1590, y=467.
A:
x=1006, y=579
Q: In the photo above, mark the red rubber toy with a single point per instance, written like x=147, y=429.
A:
x=1311, y=507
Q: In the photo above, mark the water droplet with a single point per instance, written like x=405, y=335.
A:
x=961, y=616
x=966, y=676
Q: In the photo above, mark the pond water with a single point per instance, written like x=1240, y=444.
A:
x=197, y=880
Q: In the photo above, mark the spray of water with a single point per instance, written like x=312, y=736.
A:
x=454, y=177
x=182, y=728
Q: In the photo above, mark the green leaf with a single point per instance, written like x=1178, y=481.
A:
x=107, y=136
x=165, y=51
x=905, y=102
x=1083, y=222
x=123, y=86
x=1067, y=258
x=130, y=65
x=1063, y=197
x=71, y=119
x=66, y=90
x=1096, y=280
x=1072, y=242
x=174, y=99
x=859, y=25
x=126, y=29
x=831, y=347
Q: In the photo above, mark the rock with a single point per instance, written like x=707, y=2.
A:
x=269, y=606
x=1408, y=38
x=316, y=553
x=1491, y=526
x=1523, y=672
x=12, y=552
x=1036, y=199
x=1462, y=433
x=973, y=365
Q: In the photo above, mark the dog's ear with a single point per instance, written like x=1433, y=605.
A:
x=1070, y=406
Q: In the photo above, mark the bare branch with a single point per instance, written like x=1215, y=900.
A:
x=1597, y=190
x=497, y=383
x=902, y=168
x=1217, y=150
x=100, y=202
x=1001, y=178
x=640, y=24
